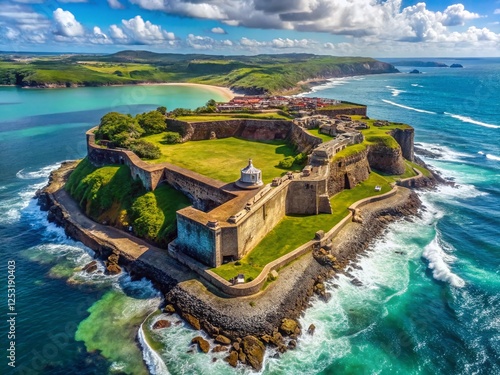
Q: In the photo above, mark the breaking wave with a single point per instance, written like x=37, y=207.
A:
x=409, y=108
x=437, y=255
x=472, y=121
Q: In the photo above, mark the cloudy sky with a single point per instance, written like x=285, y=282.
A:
x=378, y=28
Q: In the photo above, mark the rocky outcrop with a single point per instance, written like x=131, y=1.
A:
x=202, y=344
x=347, y=172
x=405, y=138
x=386, y=159
x=160, y=324
x=254, y=351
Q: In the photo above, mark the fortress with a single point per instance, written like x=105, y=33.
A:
x=226, y=221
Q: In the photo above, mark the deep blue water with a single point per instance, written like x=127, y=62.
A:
x=434, y=309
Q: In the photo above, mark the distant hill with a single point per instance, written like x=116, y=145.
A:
x=258, y=74
x=421, y=64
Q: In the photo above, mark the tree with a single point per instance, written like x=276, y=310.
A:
x=152, y=122
x=119, y=128
x=162, y=110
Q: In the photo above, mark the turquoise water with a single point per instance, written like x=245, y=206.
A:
x=429, y=301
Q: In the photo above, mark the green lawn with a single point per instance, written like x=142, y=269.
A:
x=279, y=241
x=222, y=159
x=324, y=137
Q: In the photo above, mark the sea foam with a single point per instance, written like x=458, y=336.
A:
x=472, y=121
x=439, y=261
x=409, y=108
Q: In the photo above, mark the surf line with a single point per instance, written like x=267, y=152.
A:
x=410, y=108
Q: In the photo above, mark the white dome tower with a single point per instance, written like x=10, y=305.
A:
x=251, y=177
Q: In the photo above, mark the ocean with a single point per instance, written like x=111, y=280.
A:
x=429, y=303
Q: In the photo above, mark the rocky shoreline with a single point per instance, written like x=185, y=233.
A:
x=242, y=326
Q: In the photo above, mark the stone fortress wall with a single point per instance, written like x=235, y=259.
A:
x=226, y=222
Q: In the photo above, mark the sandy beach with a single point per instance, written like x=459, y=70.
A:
x=226, y=92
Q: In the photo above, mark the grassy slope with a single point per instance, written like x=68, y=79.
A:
x=109, y=194
x=263, y=73
x=222, y=159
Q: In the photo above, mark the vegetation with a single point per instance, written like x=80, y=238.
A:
x=316, y=133
x=171, y=138
x=110, y=195
x=256, y=74
x=279, y=242
x=145, y=149
x=222, y=159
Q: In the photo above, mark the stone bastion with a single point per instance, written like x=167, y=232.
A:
x=225, y=222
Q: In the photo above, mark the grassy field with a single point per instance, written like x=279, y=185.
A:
x=222, y=159
x=316, y=133
x=279, y=241
x=258, y=74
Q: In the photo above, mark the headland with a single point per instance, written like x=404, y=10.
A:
x=354, y=178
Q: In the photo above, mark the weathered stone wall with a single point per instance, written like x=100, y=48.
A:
x=261, y=219
x=259, y=130
x=386, y=159
x=302, y=140
x=303, y=198
x=346, y=172
x=405, y=138
x=356, y=111
x=196, y=240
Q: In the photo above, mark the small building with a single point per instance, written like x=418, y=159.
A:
x=251, y=177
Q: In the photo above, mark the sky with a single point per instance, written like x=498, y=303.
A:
x=376, y=28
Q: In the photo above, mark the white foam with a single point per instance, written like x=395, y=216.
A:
x=416, y=85
x=439, y=261
x=409, y=108
x=44, y=172
x=472, y=121
x=395, y=91
x=445, y=153
x=492, y=157
x=153, y=361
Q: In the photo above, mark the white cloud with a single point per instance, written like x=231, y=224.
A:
x=496, y=11
x=66, y=24
x=456, y=15
x=98, y=37
x=218, y=30
x=138, y=31
x=278, y=43
x=200, y=42
x=115, y=4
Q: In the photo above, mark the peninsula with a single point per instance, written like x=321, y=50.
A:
x=260, y=74
x=172, y=196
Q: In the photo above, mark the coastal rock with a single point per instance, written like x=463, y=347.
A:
x=222, y=340
x=311, y=329
x=254, y=350
x=209, y=328
x=113, y=269
x=288, y=326
x=292, y=344
x=219, y=348
x=161, y=324
x=90, y=267
x=203, y=344
x=169, y=309
x=232, y=358
x=195, y=323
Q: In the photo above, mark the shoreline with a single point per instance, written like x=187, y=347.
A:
x=226, y=92
x=260, y=317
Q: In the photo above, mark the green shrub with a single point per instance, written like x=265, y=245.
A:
x=145, y=149
x=287, y=162
x=147, y=218
x=300, y=159
x=152, y=122
x=119, y=128
x=171, y=138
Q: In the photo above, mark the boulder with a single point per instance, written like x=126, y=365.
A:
x=113, y=269
x=242, y=357
x=292, y=344
x=161, y=324
x=232, y=358
x=288, y=326
x=222, y=340
x=219, y=348
x=169, y=309
x=195, y=323
x=311, y=329
x=113, y=258
x=203, y=344
x=254, y=350
x=90, y=267
x=209, y=328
